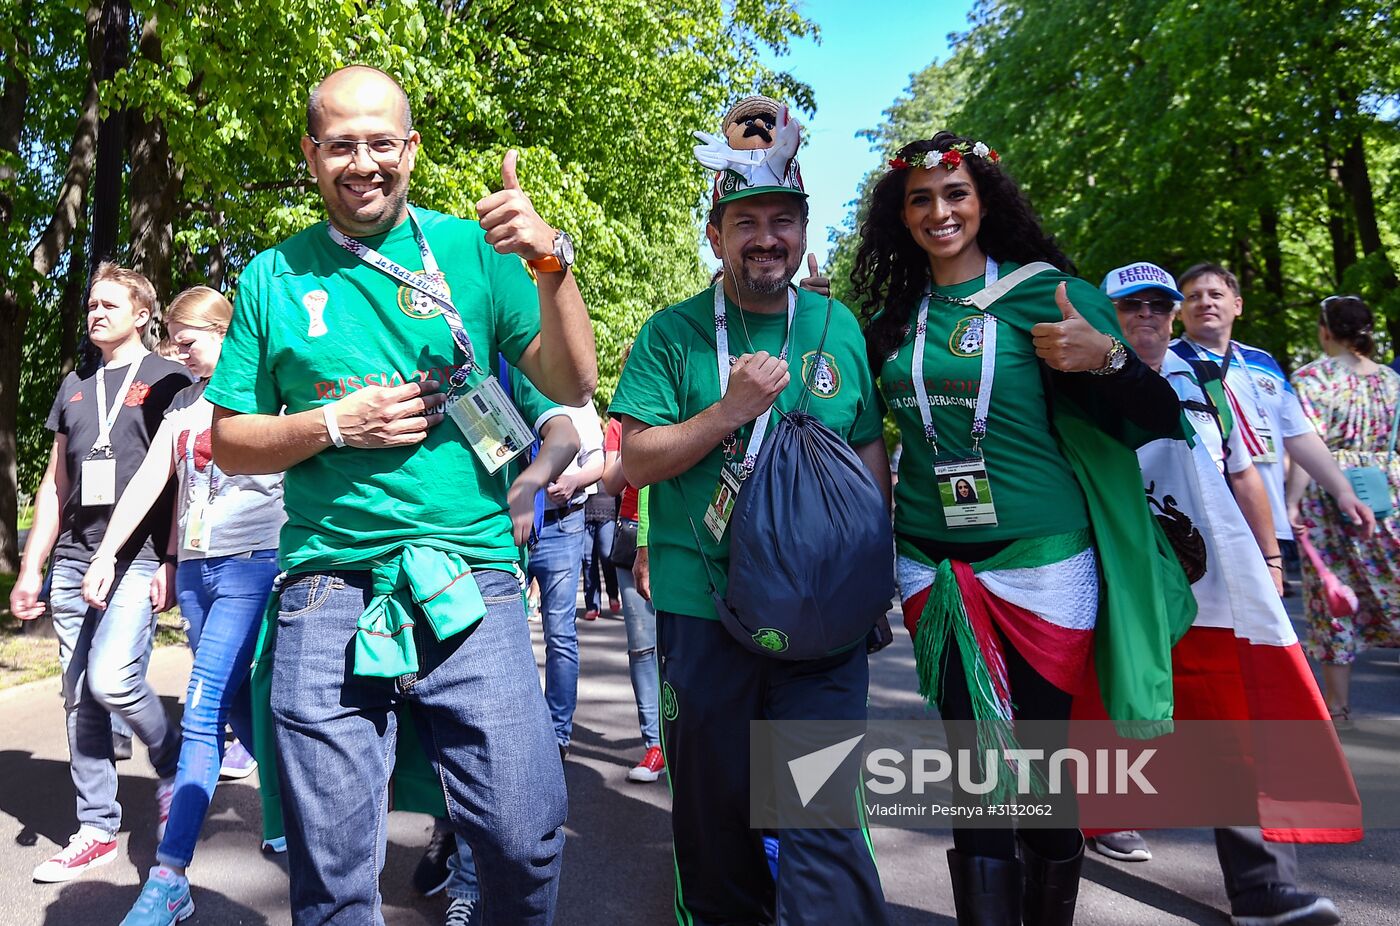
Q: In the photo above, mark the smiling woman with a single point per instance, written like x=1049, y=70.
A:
x=975, y=312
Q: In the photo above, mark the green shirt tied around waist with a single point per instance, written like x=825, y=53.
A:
x=671, y=376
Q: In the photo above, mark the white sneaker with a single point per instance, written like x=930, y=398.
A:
x=86, y=849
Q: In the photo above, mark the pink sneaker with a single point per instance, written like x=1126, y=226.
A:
x=165, y=793
x=86, y=849
x=590, y=615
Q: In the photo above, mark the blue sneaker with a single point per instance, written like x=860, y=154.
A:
x=165, y=899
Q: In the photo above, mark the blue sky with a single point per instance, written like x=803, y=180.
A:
x=867, y=54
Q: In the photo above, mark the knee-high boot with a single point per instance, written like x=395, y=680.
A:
x=986, y=891
x=1051, y=887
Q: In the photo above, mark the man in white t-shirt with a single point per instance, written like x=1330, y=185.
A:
x=1273, y=424
x=1261, y=878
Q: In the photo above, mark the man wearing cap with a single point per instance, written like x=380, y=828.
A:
x=686, y=435
x=1261, y=398
x=1236, y=590
x=351, y=343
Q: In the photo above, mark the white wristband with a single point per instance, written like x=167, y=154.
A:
x=333, y=429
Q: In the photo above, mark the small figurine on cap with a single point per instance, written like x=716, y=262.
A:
x=756, y=152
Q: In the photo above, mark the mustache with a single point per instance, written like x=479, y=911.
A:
x=765, y=252
x=754, y=128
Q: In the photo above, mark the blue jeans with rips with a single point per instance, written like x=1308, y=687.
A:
x=481, y=718
x=103, y=655
x=222, y=598
x=641, y=657
x=555, y=561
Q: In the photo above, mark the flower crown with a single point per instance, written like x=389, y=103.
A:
x=950, y=159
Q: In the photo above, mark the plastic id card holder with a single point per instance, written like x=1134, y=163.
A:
x=198, y=528
x=1265, y=433
x=721, y=506
x=99, y=476
x=964, y=492
x=491, y=424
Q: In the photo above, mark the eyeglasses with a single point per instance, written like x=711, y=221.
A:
x=381, y=150
x=1155, y=306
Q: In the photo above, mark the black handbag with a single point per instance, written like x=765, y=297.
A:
x=624, y=545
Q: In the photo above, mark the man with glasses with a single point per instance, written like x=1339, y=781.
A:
x=1261, y=398
x=1261, y=878
x=351, y=342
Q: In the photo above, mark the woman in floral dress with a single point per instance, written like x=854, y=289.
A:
x=1352, y=400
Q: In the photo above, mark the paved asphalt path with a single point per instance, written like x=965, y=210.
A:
x=617, y=863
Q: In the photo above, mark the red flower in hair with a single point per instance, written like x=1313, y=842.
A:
x=952, y=159
x=993, y=156
x=899, y=163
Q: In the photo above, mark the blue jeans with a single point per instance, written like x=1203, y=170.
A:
x=597, y=546
x=462, y=883
x=555, y=561
x=223, y=598
x=103, y=655
x=640, y=618
x=481, y=718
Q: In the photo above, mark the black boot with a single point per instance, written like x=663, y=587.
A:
x=985, y=890
x=1051, y=887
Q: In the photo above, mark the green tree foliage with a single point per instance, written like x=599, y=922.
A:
x=599, y=97
x=1262, y=135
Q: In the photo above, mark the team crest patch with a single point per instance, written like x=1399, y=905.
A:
x=1267, y=384
x=670, y=710
x=966, y=339
x=772, y=640
x=417, y=304
x=315, y=304
x=821, y=371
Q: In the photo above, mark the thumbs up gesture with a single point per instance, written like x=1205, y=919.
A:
x=1070, y=345
x=814, y=280
x=509, y=219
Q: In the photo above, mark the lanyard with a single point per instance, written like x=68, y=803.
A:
x=106, y=418
x=760, y=425
x=429, y=282
x=989, y=368
x=1225, y=371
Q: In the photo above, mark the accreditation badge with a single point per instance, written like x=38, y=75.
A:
x=964, y=491
x=721, y=506
x=199, y=528
x=491, y=424
x=1265, y=433
x=99, y=475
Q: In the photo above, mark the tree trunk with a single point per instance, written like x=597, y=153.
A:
x=1338, y=226
x=111, y=139
x=16, y=297
x=1356, y=180
x=155, y=186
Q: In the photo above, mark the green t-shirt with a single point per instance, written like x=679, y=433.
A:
x=312, y=323
x=671, y=376
x=1032, y=485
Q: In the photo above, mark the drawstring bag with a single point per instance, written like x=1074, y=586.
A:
x=811, y=549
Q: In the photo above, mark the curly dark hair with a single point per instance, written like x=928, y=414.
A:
x=891, y=270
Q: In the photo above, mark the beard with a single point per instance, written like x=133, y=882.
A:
x=770, y=282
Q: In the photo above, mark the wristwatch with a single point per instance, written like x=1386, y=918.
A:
x=1114, y=360
x=562, y=258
